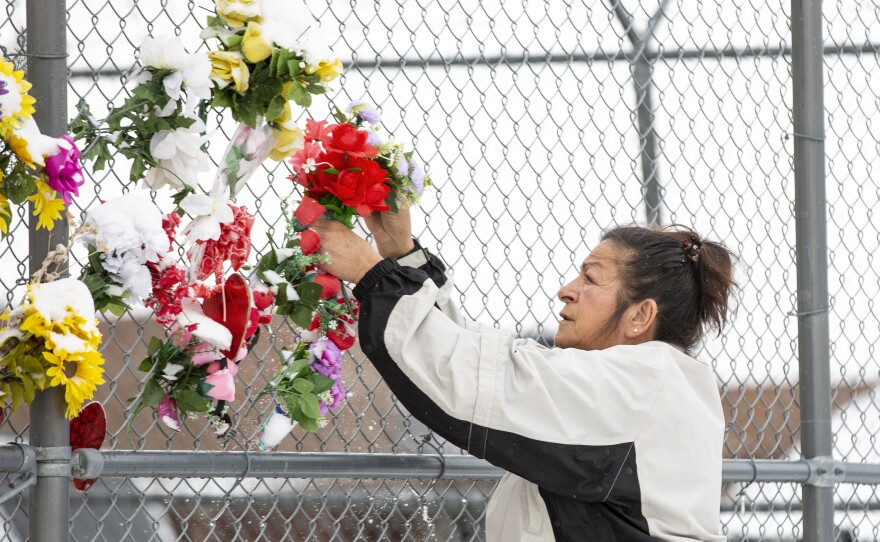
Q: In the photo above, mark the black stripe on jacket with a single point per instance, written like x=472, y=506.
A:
x=591, y=492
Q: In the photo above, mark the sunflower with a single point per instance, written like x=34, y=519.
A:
x=5, y=215
x=80, y=373
x=46, y=205
x=15, y=104
x=19, y=146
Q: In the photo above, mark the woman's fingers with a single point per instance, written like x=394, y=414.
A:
x=350, y=256
x=392, y=232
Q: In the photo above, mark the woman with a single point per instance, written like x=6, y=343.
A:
x=615, y=433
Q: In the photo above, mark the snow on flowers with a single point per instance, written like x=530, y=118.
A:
x=51, y=339
x=23, y=147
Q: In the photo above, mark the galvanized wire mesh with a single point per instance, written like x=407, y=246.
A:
x=541, y=124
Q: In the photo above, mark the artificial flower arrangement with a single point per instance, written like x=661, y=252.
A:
x=266, y=60
x=23, y=147
x=346, y=169
x=51, y=339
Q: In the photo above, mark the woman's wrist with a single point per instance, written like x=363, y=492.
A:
x=396, y=249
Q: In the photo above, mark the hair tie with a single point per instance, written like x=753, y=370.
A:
x=692, y=249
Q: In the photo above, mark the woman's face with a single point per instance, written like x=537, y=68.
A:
x=590, y=301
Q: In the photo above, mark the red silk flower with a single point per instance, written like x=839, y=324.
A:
x=308, y=211
x=346, y=138
x=362, y=185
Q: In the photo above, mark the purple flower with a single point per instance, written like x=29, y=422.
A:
x=324, y=357
x=365, y=111
x=63, y=170
x=402, y=165
x=337, y=396
x=416, y=176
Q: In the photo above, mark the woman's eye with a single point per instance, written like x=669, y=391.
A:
x=587, y=279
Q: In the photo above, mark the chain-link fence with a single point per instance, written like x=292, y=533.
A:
x=541, y=123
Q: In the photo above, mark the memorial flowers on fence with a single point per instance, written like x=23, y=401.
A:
x=51, y=339
x=267, y=60
x=346, y=169
x=23, y=147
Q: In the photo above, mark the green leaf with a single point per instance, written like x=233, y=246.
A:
x=17, y=392
x=301, y=315
x=190, y=401
x=292, y=405
x=31, y=364
x=297, y=366
x=299, y=95
x=309, y=404
x=322, y=383
x=155, y=345
x=276, y=107
x=309, y=293
x=267, y=263
x=309, y=425
x=153, y=394
x=303, y=386
x=19, y=184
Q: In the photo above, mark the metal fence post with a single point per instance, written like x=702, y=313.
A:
x=49, y=430
x=808, y=112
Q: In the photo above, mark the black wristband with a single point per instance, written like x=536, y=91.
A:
x=374, y=276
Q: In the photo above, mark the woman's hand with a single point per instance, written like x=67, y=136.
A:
x=350, y=256
x=392, y=233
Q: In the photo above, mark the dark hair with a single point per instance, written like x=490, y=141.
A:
x=690, y=279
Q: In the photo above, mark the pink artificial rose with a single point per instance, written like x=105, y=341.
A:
x=222, y=383
x=204, y=353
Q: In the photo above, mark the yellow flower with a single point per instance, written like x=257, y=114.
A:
x=47, y=205
x=290, y=137
x=327, y=70
x=5, y=215
x=229, y=66
x=79, y=372
x=253, y=45
x=16, y=104
x=20, y=148
x=238, y=12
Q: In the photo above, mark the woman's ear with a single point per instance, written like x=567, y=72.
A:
x=640, y=319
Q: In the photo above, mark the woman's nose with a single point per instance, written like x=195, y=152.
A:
x=566, y=293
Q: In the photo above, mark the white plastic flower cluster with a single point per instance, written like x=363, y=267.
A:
x=128, y=233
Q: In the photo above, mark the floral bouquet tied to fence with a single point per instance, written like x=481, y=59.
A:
x=346, y=169
x=23, y=147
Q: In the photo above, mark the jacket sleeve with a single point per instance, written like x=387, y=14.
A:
x=565, y=420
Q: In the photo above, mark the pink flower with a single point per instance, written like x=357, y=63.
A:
x=317, y=130
x=167, y=410
x=205, y=353
x=305, y=161
x=337, y=396
x=222, y=383
x=63, y=170
x=324, y=357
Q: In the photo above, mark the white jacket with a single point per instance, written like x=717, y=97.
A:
x=613, y=445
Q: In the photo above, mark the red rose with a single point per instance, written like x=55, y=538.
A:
x=309, y=211
x=346, y=138
x=362, y=186
x=330, y=285
x=309, y=242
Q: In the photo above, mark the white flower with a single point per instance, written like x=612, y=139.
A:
x=128, y=231
x=209, y=210
x=179, y=155
x=171, y=370
x=190, y=72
